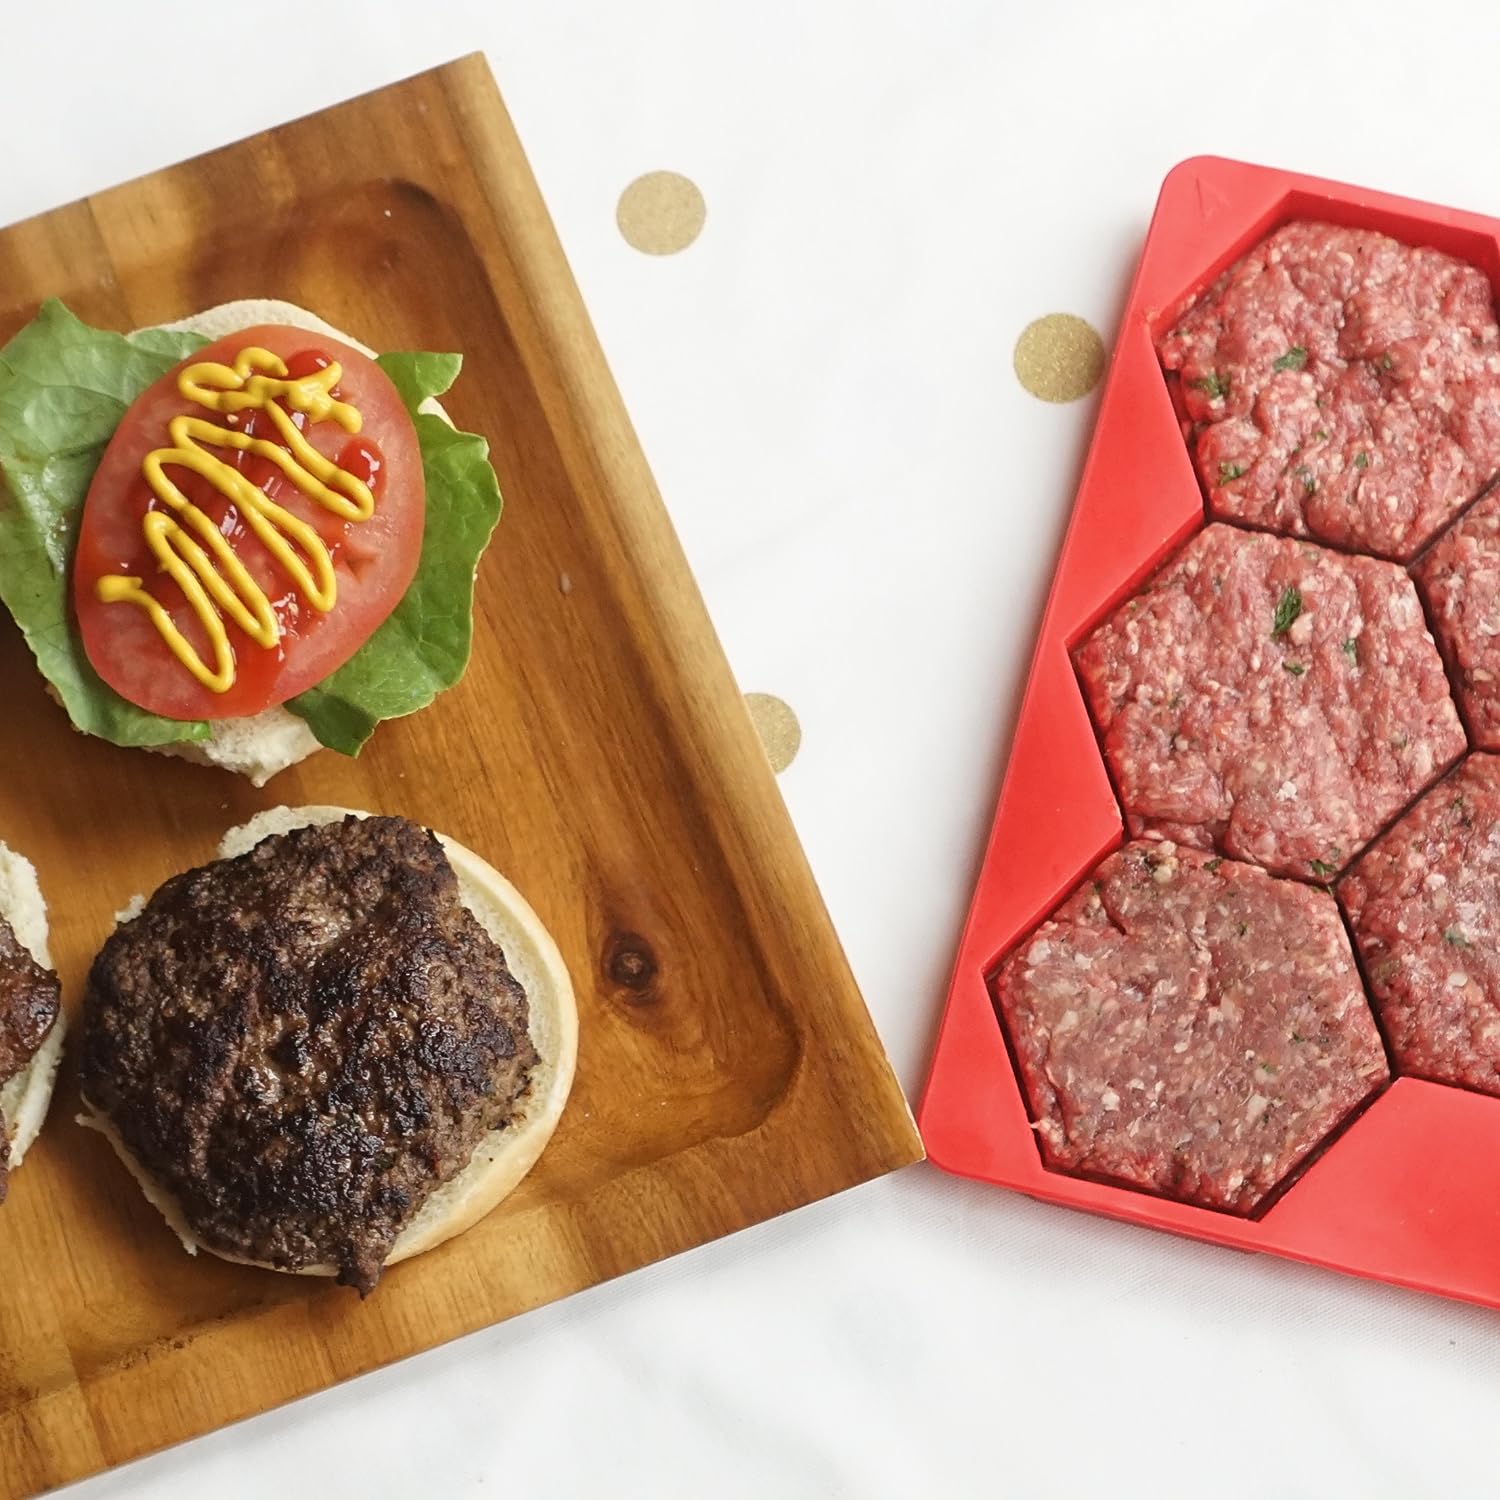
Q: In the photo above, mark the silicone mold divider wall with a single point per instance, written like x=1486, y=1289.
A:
x=1410, y=1192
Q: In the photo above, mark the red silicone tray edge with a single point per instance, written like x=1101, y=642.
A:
x=1409, y=1193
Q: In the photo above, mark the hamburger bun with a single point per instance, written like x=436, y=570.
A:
x=503, y=1157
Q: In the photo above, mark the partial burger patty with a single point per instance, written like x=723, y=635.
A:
x=1190, y=1026
x=1424, y=905
x=301, y=1043
x=1343, y=386
x=1459, y=576
x=28, y=1010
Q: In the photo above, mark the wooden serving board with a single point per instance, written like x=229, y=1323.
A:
x=598, y=751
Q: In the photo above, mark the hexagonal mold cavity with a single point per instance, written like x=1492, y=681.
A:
x=1270, y=699
x=1342, y=384
x=1158, y=1047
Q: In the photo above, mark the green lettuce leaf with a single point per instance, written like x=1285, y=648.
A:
x=63, y=389
x=423, y=647
x=418, y=377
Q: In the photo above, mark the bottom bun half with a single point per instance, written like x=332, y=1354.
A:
x=506, y=1155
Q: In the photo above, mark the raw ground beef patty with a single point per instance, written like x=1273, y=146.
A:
x=1271, y=699
x=1460, y=579
x=1424, y=906
x=1189, y=1025
x=1341, y=385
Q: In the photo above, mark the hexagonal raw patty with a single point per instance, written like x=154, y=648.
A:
x=1341, y=385
x=1189, y=1025
x=1424, y=905
x=1271, y=699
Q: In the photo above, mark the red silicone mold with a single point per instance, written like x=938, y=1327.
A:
x=1409, y=1192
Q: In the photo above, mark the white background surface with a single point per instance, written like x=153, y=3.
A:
x=872, y=504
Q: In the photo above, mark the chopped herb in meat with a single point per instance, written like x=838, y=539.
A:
x=1350, y=648
x=1230, y=471
x=1294, y=667
x=1362, y=459
x=1455, y=936
x=1293, y=359
x=1212, y=386
x=1309, y=484
x=1288, y=607
x=1322, y=869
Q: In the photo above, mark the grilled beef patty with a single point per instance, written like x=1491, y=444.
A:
x=300, y=1044
x=28, y=1009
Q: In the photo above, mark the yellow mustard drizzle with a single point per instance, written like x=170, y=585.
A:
x=193, y=551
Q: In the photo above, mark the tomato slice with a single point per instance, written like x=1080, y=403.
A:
x=374, y=560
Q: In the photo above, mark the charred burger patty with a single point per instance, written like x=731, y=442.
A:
x=301, y=1043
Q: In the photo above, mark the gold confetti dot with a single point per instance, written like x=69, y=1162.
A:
x=661, y=213
x=1059, y=357
x=777, y=727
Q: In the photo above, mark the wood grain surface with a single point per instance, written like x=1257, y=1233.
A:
x=598, y=751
